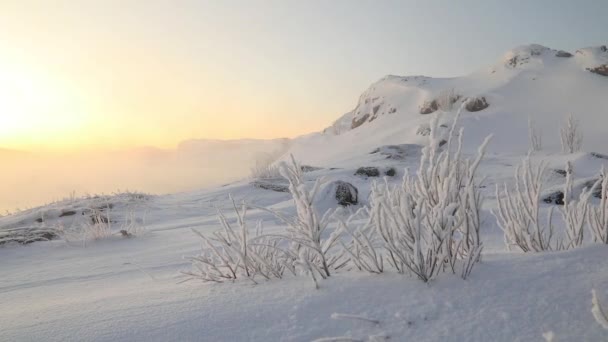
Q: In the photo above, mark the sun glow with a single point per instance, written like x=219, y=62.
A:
x=36, y=107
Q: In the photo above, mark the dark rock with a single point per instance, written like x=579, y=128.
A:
x=563, y=54
x=599, y=155
x=39, y=220
x=270, y=186
x=308, y=168
x=375, y=109
x=392, y=110
x=358, y=122
x=562, y=173
x=398, y=152
x=600, y=70
x=27, y=235
x=368, y=171
x=556, y=197
x=391, y=172
x=68, y=213
x=477, y=104
x=346, y=193
x=442, y=142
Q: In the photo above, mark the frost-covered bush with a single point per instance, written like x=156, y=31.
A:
x=598, y=216
x=265, y=167
x=574, y=211
x=535, y=136
x=237, y=252
x=430, y=221
x=571, y=135
x=98, y=224
x=518, y=212
x=306, y=231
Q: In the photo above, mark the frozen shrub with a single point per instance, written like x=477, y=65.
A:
x=306, y=230
x=535, y=136
x=235, y=252
x=518, y=212
x=429, y=221
x=571, y=135
x=598, y=216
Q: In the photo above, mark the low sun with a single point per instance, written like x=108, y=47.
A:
x=34, y=105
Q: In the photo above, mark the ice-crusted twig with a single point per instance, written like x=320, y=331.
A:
x=598, y=311
x=355, y=317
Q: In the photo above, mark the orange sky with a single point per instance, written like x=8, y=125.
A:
x=92, y=77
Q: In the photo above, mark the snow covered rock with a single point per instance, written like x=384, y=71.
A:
x=476, y=104
x=399, y=152
x=368, y=171
x=563, y=54
x=346, y=193
x=600, y=70
x=272, y=186
x=429, y=107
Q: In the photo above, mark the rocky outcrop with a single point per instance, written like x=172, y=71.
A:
x=600, y=70
x=563, y=54
x=391, y=172
x=476, y=104
x=599, y=155
x=398, y=152
x=26, y=235
x=358, y=122
x=270, y=186
x=308, y=168
x=368, y=171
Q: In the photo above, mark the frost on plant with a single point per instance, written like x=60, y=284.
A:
x=571, y=135
x=518, y=212
x=306, y=230
x=598, y=312
x=234, y=252
x=429, y=221
x=535, y=136
x=598, y=216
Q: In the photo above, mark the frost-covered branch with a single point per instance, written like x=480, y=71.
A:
x=571, y=136
x=598, y=216
x=518, y=212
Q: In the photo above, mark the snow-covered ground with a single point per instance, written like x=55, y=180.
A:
x=126, y=289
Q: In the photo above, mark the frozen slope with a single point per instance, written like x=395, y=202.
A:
x=530, y=81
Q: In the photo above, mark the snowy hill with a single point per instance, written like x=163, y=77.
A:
x=109, y=285
x=530, y=81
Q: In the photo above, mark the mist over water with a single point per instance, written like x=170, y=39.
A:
x=33, y=179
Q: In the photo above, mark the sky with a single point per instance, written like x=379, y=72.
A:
x=124, y=73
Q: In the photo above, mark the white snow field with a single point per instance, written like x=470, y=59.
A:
x=113, y=288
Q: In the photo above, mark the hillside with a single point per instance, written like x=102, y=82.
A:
x=530, y=81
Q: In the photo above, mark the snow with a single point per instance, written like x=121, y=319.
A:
x=133, y=289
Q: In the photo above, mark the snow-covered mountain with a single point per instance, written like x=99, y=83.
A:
x=528, y=82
